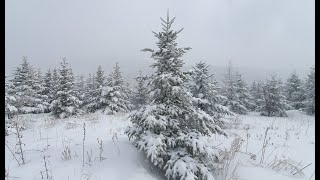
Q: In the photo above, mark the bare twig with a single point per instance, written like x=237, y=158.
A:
x=271, y=153
x=66, y=154
x=264, y=145
x=302, y=169
x=46, y=171
x=12, y=154
x=101, y=149
x=308, y=125
x=89, y=157
x=311, y=175
x=115, y=142
x=19, y=143
x=297, y=166
x=84, y=137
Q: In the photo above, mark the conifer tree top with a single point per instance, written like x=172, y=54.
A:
x=168, y=52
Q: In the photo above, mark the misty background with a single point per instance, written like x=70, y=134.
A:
x=260, y=37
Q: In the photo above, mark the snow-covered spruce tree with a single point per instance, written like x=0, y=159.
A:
x=66, y=102
x=170, y=130
x=130, y=93
x=80, y=87
x=49, y=87
x=41, y=97
x=117, y=93
x=97, y=100
x=140, y=94
x=256, y=92
x=10, y=109
x=294, y=91
x=274, y=103
x=309, y=102
x=205, y=92
x=55, y=82
x=89, y=89
x=233, y=101
x=243, y=94
x=24, y=89
x=99, y=78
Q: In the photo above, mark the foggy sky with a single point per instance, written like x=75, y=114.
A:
x=268, y=34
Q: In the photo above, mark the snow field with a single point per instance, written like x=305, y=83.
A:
x=124, y=164
x=297, y=128
x=291, y=138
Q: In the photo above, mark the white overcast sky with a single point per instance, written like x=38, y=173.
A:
x=253, y=33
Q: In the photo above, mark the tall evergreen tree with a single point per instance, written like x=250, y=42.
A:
x=140, y=95
x=231, y=92
x=310, y=92
x=256, y=91
x=170, y=130
x=242, y=90
x=98, y=100
x=89, y=88
x=49, y=86
x=80, y=86
x=66, y=102
x=274, y=103
x=38, y=87
x=205, y=91
x=10, y=100
x=23, y=88
x=55, y=82
x=117, y=93
x=99, y=78
x=294, y=91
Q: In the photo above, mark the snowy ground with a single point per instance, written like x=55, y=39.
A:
x=297, y=128
x=45, y=136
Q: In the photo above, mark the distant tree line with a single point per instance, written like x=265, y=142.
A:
x=63, y=94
